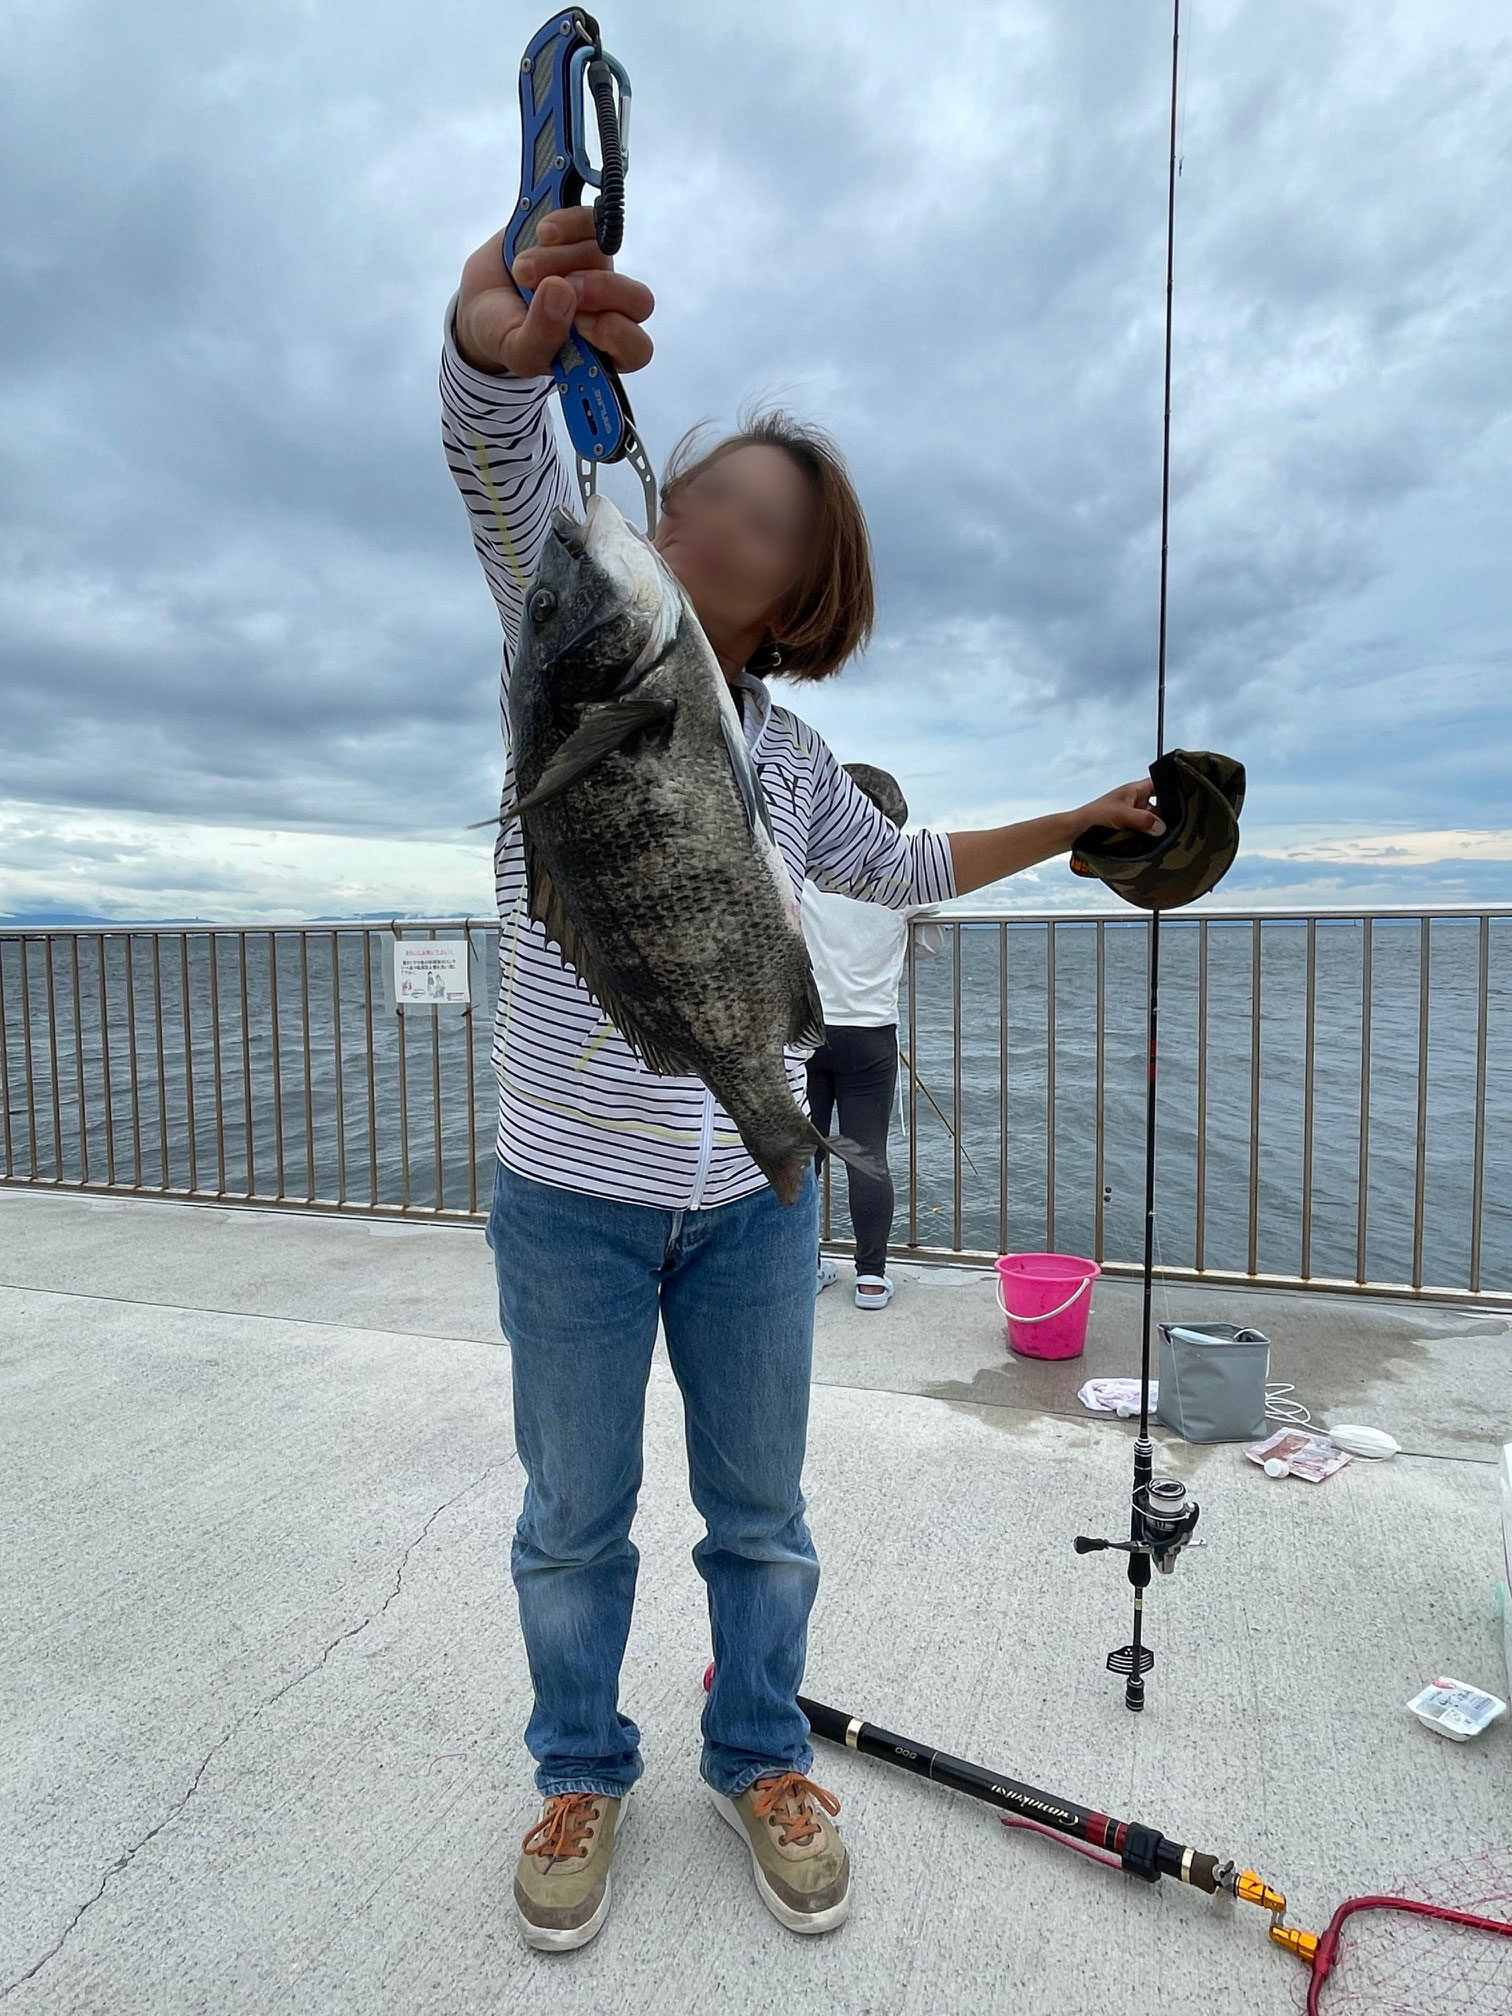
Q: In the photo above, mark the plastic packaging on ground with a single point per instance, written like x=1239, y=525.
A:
x=1456, y=1709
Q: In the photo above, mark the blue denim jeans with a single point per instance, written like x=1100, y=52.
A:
x=582, y=1281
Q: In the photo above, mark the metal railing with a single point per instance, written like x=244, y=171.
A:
x=1335, y=1086
x=265, y=1066
x=1331, y=1085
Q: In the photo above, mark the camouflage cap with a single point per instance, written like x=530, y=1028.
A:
x=1199, y=796
x=883, y=789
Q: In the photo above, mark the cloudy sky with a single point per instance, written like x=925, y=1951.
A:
x=249, y=661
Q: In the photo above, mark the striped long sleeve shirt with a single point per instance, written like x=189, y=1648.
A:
x=577, y=1108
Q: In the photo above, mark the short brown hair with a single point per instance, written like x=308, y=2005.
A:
x=833, y=606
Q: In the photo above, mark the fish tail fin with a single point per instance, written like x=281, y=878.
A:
x=784, y=1154
x=862, y=1160
x=786, y=1173
x=786, y=1166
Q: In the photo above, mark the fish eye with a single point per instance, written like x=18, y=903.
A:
x=542, y=605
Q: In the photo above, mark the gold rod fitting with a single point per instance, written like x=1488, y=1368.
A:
x=1295, y=1940
x=1253, y=1889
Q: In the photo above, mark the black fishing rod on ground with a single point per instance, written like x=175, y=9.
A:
x=1125, y=1844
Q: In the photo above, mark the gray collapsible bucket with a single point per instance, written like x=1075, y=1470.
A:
x=1212, y=1381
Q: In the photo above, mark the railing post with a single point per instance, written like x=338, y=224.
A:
x=78, y=1018
x=52, y=1059
x=1254, y=1141
x=404, y=1140
x=246, y=1050
x=189, y=1120
x=1202, y=1040
x=1420, y=1170
x=913, y=1091
x=212, y=946
x=1478, y=1164
x=309, y=1083
x=31, y=1068
x=955, y=1081
x=5, y=1100
x=1050, y=1088
x=136, y=1063
x=1309, y=1059
x=372, y=1099
x=1003, y=1030
x=435, y=1051
x=162, y=1069
x=1363, y=1192
x=337, y=1066
x=469, y=1030
x=278, y=1127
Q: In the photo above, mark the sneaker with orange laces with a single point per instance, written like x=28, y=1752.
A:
x=797, y=1857
x=561, y=1885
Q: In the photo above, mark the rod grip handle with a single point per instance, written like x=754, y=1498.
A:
x=829, y=1723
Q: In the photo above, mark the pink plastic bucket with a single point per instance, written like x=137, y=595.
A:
x=1047, y=1298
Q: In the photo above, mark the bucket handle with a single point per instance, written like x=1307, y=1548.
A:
x=1080, y=1289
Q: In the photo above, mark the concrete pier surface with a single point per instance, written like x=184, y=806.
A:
x=265, y=1688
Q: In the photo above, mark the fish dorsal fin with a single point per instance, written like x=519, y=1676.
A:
x=547, y=908
x=808, y=1030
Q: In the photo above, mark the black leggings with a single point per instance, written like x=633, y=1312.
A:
x=857, y=1070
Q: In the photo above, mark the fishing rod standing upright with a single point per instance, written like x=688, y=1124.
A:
x=1161, y=1515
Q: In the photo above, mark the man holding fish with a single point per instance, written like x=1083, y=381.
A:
x=654, y=1159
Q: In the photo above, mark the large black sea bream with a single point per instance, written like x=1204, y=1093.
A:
x=648, y=847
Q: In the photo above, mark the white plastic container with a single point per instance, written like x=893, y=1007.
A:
x=1455, y=1709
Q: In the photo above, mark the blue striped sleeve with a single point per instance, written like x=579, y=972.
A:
x=501, y=448
x=853, y=850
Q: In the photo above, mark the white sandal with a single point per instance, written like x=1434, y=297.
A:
x=873, y=1281
x=829, y=1271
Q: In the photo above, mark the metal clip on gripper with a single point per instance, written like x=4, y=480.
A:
x=564, y=56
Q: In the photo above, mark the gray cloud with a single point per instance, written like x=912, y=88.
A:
x=239, y=586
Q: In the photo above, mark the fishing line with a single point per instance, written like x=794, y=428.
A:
x=1186, y=61
x=1162, y=1516
x=1161, y=1525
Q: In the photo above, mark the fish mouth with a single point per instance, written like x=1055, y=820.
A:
x=623, y=579
x=571, y=532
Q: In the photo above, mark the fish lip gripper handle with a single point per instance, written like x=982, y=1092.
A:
x=594, y=404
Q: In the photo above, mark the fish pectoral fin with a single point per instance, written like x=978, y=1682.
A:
x=602, y=729
x=547, y=908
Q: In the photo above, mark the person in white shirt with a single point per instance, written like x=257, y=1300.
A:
x=858, y=950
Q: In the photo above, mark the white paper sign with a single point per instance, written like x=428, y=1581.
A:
x=430, y=973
